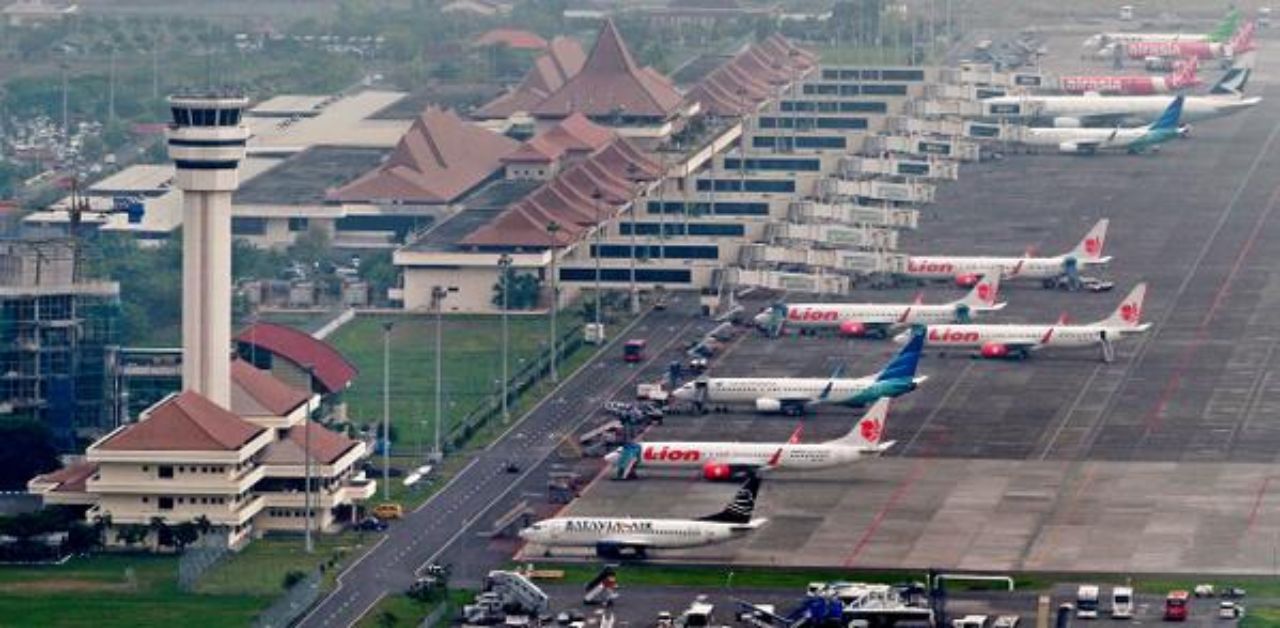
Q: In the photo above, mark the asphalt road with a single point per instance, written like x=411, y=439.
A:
x=444, y=528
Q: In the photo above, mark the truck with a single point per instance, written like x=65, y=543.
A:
x=697, y=615
x=1087, y=601
x=1176, y=605
x=970, y=621
x=1122, y=603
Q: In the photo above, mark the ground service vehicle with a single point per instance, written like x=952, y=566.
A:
x=1176, y=606
x=1087, y=601
x=388, y=510
x=1122, y=603
x=633, y=351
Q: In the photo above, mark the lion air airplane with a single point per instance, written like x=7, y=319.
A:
x=1018, y=341
x=1183, y=77
x=879, y=320
x=727, y=460
x=793, y=395
x=613, y=536
x=965, y=270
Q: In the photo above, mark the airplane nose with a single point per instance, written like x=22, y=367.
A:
x=526, y=534
x=681, y=393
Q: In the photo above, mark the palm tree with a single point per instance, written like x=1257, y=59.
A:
x=203, y=525
x=161, y=530
x=102, y=523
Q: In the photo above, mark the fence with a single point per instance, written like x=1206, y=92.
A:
x=290, y=606
x=196, y=560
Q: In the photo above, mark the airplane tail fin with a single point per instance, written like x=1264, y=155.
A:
x=983, y=295
x=868, y=433
x=1234, y=80
x=1242, y=40
x=1227, y=27
x=1089, y=249
x=739, y=510
x=1128, y=315
x=1184, y=74
x=903, y=365
x=1168, y=121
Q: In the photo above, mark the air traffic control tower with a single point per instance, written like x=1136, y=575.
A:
x=206, y=142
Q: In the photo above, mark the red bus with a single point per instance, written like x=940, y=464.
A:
x=1176, y=605
x=633, y=351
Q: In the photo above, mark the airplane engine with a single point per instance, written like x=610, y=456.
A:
x=852, y=328
x=768, y=405
x=968, y=280
x=994, y=350
x=1184, y=131
x=1066, y=123
x=1069, y=147
x=717, y=472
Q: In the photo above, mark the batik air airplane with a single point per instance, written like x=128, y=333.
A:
x=964, y=270
x=614, y=536
x=1182, y=77
x=1090, y=141
x=1017, y=341
x=880, y=320
x=1225, y=98
x=1223, y=32
x=794, y=395
x=728, y=460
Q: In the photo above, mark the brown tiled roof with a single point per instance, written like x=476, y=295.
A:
x=184, y=422
x=751, y=77
x=257, y=392
x=439, y=159
x=333, y=370
x=69, y=479
x=611, y=83
x=327, y=446
x=515, y=38
x=569, y=200
x=575, y=134
x=550, y=71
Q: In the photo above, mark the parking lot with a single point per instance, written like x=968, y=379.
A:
x=1158, y=462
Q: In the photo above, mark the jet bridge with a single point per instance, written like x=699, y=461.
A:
x=906, y=192
x=861, y=263
x=830, y=236
x=913, y=141
x=986, y=74
x=849, y=213
x=956, y=130
x=931, y=167
x=811, y=282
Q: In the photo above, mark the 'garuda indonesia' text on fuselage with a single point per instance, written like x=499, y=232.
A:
x=1183, y=77
x=1225, y=99
x=1019, y=340
x=793, y=395
x=1090, y=140
x=613, y=536
x=880, y=320
x=726, y=460
x=961, y=268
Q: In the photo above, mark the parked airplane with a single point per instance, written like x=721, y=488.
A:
x=613, y=536
x=879, y=320
x=1183, y=77
x=964, y=269
x=1223, y=32
x=728, y=460
x=793, y=395
x=1017, y=341
x=1089, y=141
x=1240, y=42
x=1226, y=98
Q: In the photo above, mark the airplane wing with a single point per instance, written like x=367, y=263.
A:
x=1088, y=147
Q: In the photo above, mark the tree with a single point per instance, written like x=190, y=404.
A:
x=81, y=539
x=312, y=247
x=131, y=534
x=102, y=523
x=387, y=619
x=292, y=578
x=523, y=294
x=164, y=533
x=185, y=534
x=26, y=450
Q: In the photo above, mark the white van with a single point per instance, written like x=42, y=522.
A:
x=1087, y=601
x=1122, y=603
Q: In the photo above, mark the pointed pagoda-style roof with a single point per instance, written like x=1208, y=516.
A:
x=744, y=82
x=439, y=159
x=551, y=70
x=186, y=421
x=514, y=38
x=255, y=392
x=575, y=134
x=327, y=446
x=611, y=83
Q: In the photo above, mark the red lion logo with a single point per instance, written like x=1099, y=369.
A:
x=1130, y=312
x=984, y=291
x=870, y=430
x=1092, y=246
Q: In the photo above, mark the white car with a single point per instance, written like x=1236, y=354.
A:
x=1230, y=610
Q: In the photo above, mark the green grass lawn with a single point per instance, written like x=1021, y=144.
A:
x=261, y=567
x=99, y=591
x=402, y=611
x=1260, y=618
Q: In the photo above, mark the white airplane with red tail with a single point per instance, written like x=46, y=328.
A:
x=880, y=320
x=1017, y=341
x=1183, y=77
x=966, y=270
x=727, y=460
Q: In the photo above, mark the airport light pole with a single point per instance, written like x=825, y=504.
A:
x=504, y=263
x=386, y=410
x=306, y=457
x=634, y=297
x=596, y=195
x=553, y=228
x=438, y=294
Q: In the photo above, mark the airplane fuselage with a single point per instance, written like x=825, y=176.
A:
x=756, y=455
x=950, y=267
x=1135, y=109
x=646, y=533
x=823, y=315
x=750, y=389
x=1118, y=85
x=1027, y=336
